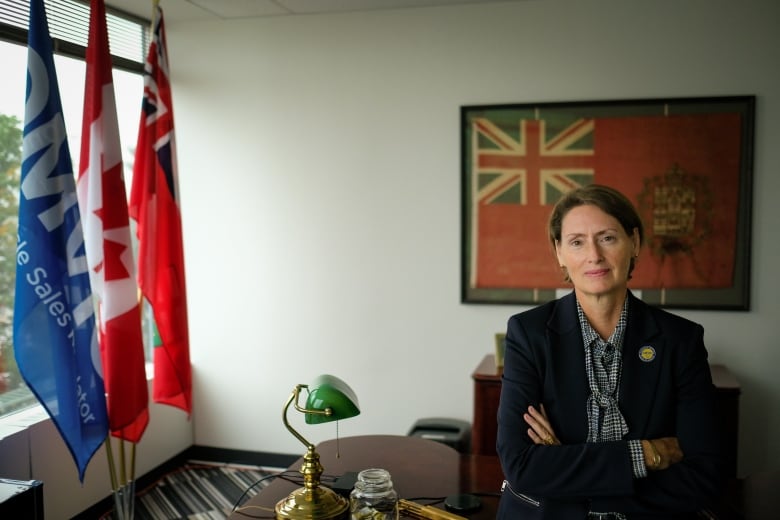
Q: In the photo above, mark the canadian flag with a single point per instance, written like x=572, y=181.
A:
x=103, y=202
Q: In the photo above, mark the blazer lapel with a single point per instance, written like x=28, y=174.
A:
x=567, y=360
x=643, y=350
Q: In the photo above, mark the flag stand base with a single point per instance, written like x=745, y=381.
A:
x=124, y=501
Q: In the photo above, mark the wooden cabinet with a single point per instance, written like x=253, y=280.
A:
x=487, y=390
x=728, y=391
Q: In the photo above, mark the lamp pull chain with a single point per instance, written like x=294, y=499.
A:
x=338, y=451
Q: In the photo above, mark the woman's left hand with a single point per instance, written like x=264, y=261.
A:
x=540, y=430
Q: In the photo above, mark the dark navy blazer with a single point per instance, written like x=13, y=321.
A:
x=669, y=395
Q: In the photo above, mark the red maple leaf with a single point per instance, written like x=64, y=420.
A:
x=113, y=214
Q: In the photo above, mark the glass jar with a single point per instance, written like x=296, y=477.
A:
x=373, y=497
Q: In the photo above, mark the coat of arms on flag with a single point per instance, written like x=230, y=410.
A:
x=518, y=160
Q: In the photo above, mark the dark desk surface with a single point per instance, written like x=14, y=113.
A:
x=420, y=468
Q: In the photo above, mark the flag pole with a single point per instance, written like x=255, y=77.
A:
x=111, y=465
x=123, y=488
x=122, y=465
x=132, y=460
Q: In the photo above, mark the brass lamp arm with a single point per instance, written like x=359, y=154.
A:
x=327, y=411
x=294, y=398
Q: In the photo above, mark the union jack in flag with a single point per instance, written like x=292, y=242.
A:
x=533, y=163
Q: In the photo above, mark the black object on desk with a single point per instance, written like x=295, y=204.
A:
x=21, y=499
x=452, y=432
x=463, y=503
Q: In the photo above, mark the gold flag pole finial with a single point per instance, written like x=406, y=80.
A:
x=155, y=5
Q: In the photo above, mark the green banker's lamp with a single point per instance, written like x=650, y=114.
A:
x=330, y=399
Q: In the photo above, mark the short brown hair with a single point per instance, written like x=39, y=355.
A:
x=608, y=200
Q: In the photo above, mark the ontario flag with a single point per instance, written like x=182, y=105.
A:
x=154, y=204
x=103, y=201
x=55, y=343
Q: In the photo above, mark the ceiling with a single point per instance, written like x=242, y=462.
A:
x=177, y=11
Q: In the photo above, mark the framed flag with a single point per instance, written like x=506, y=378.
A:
x=686, y=163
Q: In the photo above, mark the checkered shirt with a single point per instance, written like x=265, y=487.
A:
x=603, y=365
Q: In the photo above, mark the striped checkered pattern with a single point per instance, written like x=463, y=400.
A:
x=200, y=492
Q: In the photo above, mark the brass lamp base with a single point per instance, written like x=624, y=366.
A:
x=308, y=504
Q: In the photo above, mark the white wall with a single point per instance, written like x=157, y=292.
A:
x=320, y=179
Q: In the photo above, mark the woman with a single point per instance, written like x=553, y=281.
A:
x=607, y=404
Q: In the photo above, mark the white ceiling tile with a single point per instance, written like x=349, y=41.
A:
x=241, y=8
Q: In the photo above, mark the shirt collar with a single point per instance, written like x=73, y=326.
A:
x=589, y=334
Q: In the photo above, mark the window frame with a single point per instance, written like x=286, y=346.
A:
x=14, y=13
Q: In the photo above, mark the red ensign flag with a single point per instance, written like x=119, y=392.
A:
x=107, y=238
x=154, y=205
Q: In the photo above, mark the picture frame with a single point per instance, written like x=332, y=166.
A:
x=686, y=163
x=500, y=349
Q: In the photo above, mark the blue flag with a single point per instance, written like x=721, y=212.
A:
x=54, y=318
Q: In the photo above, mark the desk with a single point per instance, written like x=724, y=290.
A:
x=419, y=468
x=487, y=391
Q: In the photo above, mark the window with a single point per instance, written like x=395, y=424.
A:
x=68, y=26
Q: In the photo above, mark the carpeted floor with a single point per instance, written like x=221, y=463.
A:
x=200, y=491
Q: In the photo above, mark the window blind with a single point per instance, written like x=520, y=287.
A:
x=128, y=35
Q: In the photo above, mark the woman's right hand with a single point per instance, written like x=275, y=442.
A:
x=668, y=449
x=540, y=431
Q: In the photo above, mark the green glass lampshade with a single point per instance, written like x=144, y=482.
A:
x=328, y=391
